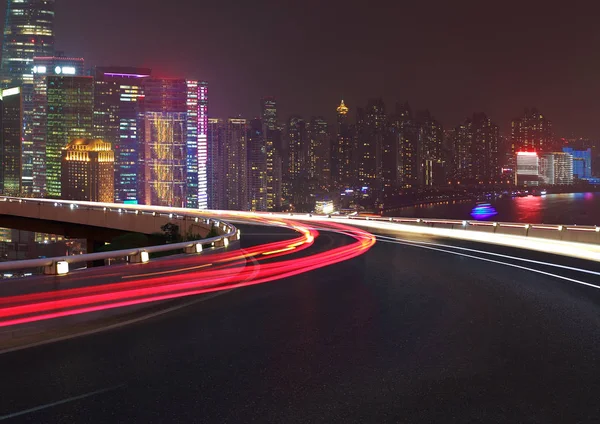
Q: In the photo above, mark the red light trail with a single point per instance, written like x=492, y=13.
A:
x=215, y=272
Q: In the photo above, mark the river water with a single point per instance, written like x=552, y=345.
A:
x=572, y=208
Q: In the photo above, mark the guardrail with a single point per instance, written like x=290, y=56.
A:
x=572, y=233
x=60, y=265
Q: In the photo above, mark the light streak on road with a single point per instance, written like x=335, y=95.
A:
x=238, y=273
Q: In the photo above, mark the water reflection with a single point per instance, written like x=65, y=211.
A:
x=483, y=211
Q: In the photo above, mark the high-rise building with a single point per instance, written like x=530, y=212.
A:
x=11, y=131
x=431, y=137
x=556, y=168
x=342, y=171
x=319, y=153
x=582, y=162
x=34, y=142
x=531, y=133
x=528, y=168
x=162, y=159
x=475, y=151
x=28, y=32
x=236, y=164
x=257, y=166
x=407, y=149
x=274, y=152
x=197, y=124
x=216, y=171
x=370, y=134
x=117, y=95
x=70, y=109
x=88, y=171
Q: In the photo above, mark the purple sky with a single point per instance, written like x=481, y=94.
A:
x=453, y=57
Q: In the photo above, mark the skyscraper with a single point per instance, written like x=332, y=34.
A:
x=531, y=133
x=257, y=166
x=274, y=152
x=341, y=152
x=197, y=109
x=28, y=32
x=34, y=142
x=431, y=137
x=164, y=135
x=216, y=174
x=117, y=95
x=88, y=171
x=11, y=131
x=236, y=164
x=371, y=129
x=70, y=109
x=319, y=152
x=407, y=150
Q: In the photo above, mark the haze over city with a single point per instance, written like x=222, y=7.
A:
x=454, y=58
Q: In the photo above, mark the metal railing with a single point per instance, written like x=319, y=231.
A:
x=60, y=265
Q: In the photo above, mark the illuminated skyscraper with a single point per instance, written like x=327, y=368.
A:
x=197, y=126
x=216, y=174
x=431, y=137
x=371, y=131
x=117, y=95
x=34, y=143
x=272, y=135
x=407, y=149
x=257, y=166
x=28, y=32
x=70, y=109
x=531, y=133
x=88, y=171
x=319, y=152
x=341, y=154
x=236, y=164
x=11, y=131
x=162, y=159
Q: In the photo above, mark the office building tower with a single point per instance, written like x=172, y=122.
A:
x=342, y=171
x=34, y=142
x=197, y=110
x=163, y=142
x=216, y=171
x=370, y=134
x=531, y=133
x=297, y=143
x=70, y=108
x=162, y=159
x=556, y=168
x=528, y=169
x=319, y=153
x=118, y=91
x=88, y=171
x=236, y=164
x=28, y=32
x=274, y=151
x=582, y=162
x=11, y=132
x=257, y=166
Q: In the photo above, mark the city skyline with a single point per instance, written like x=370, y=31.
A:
x=499, y=72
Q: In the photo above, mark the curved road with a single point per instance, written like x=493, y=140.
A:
x=404, y=333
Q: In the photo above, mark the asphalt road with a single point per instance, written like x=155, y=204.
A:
x=402, y=334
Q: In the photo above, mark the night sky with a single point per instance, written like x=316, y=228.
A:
x=452, y=57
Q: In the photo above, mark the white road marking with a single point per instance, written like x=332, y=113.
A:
x=60, y=402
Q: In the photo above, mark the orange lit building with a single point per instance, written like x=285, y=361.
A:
x=88, y=171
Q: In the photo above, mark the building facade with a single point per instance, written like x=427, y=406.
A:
x=216, y=173
x=342, y=171
x=88, y=171
x=236, y=164
x=531, y=133
x=257, y=166
x=11, y=133
x=70, y=110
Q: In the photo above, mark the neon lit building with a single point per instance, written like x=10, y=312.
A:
x=70, y=109
x=582, y=162
x=88, y=171
x=162, y=159
x=197, y=126
x=528, y=168
x=117, y=95
x=34, y=144
x=11, y=125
